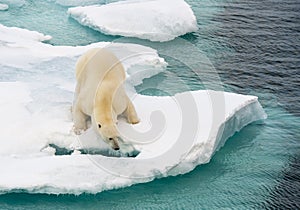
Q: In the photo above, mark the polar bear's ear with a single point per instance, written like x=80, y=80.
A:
x=99, y=126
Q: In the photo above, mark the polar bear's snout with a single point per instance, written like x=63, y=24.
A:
x=114, y=143
x=110, y=135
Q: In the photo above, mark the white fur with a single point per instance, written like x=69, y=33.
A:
x=100, y=95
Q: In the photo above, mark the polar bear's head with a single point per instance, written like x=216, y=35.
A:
x=110, y=135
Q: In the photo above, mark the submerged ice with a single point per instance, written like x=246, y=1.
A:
x=3, y=7
x=156, y=20
x=176, y=133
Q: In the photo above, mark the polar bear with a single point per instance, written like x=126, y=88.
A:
x=100, y=95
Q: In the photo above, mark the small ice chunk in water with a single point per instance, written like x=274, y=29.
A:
x=3, y=7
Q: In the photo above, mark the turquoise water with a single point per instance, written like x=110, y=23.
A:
x=52, y=19
x=254, y=47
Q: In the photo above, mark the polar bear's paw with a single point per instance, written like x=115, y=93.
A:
x=131, y=114
x=78, y=131
x=133, y=120
x=132, y=117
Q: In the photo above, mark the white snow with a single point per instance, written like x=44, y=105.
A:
x=3, y=7
x=156, y=20
x=175, y=134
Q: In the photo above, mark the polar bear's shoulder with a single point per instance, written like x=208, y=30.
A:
x=104, y=54
x=84, y=59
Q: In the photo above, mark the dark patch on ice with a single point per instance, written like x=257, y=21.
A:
x=61, y=150
x=107, y=152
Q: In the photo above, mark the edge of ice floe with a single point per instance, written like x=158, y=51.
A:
x=21, y=34
x=191, y=161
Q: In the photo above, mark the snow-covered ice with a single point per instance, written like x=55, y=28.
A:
x=23, y=48
x=156, y=20
x=176, y=133
x=168, y=144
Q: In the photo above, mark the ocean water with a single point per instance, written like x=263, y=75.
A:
x=254, y=47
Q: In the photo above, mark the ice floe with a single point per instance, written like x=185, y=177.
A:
x=39, y=153
x=175, y=135
x=24, y=48
x=156, y=20
x=3, y=7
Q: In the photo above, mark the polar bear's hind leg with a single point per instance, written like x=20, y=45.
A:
x=79, y=119
x=131, y=113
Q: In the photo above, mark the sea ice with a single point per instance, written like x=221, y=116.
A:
x=3, y=7
x=176, y=133
x=156, y=20
x=28, y=48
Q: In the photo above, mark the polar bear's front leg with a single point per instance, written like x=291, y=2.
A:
x=79, y=119
x=131, y=113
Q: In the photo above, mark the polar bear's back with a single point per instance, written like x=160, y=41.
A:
x=83, y=60
x=92, y=68
x=97, y=61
